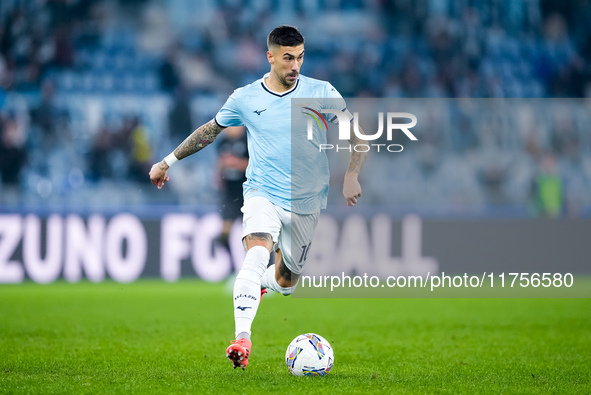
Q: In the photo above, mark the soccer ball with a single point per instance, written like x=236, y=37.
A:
x=309, y=355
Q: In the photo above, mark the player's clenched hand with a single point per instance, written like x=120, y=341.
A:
x=158, y=174
x=351, y=189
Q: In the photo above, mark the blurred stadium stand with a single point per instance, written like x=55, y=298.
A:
x=87, y=87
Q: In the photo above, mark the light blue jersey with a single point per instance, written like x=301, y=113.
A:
x=267, y=116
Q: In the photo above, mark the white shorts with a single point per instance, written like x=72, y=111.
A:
x=287, y=229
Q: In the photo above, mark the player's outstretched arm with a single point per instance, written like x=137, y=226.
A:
x=351, y=186
x=199, y=139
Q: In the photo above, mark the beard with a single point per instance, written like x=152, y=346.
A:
x=287, y=83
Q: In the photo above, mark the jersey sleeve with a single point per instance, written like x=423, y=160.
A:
x=335, y=102
x=229, y=114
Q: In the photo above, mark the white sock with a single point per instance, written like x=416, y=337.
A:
x=268, y=281
x=247, y=288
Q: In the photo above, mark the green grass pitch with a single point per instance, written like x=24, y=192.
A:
x=155, y=337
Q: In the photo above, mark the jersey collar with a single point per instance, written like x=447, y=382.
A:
x=277, y=93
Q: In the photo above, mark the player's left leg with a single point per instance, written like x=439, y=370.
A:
x=294, y=245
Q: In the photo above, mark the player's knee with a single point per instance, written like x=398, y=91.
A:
x=259, y=239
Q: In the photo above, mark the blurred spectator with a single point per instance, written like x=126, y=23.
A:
x=562, y=64
x=564, y=139
x=63, y=50
x=180, y=124
x=12, y=151
x=547, y=188
x=139, y=148
x=169, y=77
x=464, y=137
x=99, y=156
x=49, y=119
x=232, y=163
x=4, y=72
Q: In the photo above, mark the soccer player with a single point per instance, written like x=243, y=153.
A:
x=232, y=163
x=275, y=216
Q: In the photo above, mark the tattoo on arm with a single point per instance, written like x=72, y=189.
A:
x=357, y=158
x=260, y=236
x=162, y=166
x=199, y=139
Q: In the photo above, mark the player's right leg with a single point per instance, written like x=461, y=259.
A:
x=261, y=228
